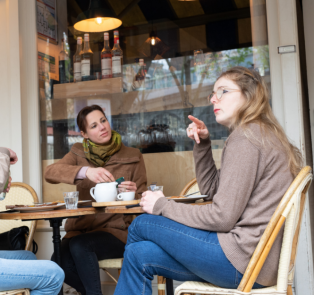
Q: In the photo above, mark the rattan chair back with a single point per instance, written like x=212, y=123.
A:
x=190, y=188
x=294, y=199
x=21, y=194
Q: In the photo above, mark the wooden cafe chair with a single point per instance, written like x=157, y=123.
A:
x=117, y=264
x=190, y=188
x=290, y=211
x=20, y=193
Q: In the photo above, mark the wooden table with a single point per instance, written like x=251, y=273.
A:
x=136, y=210
x=55, y=218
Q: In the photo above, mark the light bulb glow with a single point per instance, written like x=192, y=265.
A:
x=153, y=41
x=98, y=20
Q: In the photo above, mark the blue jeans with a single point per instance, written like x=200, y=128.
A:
x=21, y=269
x=160, y=246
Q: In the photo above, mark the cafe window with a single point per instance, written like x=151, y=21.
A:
x=156, y=68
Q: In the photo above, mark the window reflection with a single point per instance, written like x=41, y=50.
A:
x=161, y=83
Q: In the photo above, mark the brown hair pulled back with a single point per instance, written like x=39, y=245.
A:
x=256, y=109
x=81, y=117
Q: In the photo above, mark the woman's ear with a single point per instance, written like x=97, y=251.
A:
x=84, y=134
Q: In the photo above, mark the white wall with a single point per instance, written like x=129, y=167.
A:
x=10, y=95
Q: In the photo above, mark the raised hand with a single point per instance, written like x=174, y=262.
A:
x=13, y=157
x=197, y=129
x=98, y=175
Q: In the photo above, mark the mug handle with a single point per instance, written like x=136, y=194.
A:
x=92, y=192
x=119, y=197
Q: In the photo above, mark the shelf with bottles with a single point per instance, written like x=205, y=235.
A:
x=83, y=65
x=87, y=88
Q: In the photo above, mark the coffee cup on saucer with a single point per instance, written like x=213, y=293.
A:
x=126, y=196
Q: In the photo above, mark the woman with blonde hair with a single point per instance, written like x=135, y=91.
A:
x=214, y=243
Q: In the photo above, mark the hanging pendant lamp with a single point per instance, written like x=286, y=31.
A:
x=153, y=45
x=97, y=18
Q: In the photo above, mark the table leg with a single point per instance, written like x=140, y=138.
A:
x=169, y=286
x=55, y=223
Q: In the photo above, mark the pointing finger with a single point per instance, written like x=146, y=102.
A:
x=196, y=121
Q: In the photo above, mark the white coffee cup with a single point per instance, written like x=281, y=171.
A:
x=104, y=192
x=126, y=196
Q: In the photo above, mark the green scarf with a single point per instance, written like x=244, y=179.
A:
x=100, y=154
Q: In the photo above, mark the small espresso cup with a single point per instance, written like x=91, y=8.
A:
x=127, y=196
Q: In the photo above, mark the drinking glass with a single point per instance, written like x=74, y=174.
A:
x=71, y=199
x=2, y=195
x=155, y=188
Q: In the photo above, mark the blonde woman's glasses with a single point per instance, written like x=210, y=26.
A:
x=220, y=92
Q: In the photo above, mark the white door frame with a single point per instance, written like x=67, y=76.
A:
x=20, y=88
x=287, y=107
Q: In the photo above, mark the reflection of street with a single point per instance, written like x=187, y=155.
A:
x=155, y=132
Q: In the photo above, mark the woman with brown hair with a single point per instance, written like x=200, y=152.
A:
x=101, y=158
x=214, y=243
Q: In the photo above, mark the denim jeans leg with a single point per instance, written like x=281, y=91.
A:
x=143, y=260
x=40, y=276
x=18, y=255
x=197, y=250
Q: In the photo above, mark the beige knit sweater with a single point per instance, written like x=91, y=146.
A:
x=245, y=192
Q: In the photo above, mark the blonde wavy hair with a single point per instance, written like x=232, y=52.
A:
x=256, y=109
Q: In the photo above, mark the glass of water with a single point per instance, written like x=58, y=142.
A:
x=155, y=188
x=71, y=199
x=2, y=195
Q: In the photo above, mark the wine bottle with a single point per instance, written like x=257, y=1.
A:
x=87, y=61
x=140, y=76
x=106, y=58
x=64, y=67
x=77, y=61
x=117, y=57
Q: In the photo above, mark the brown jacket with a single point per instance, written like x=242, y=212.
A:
x=128, y=162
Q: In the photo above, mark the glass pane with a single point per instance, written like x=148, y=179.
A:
x=184, y=45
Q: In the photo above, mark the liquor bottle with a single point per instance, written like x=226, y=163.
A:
x=87, y=61
x=117, y=57
x=77, y=61
x=67, y=49
x=64, y=67
x=140, y=76
x=106, y=58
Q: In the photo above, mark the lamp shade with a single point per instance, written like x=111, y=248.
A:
x=97, y=19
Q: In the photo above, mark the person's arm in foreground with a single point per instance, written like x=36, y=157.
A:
x=7, y=157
